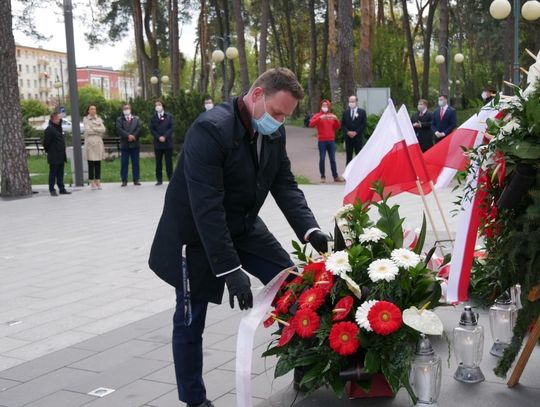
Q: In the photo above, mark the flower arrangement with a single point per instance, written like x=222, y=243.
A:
x=364, y=305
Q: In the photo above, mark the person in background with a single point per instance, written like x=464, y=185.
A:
x=233, y=156
x=128, y=128
x=488, y=94
x=444, y=119
x=421, y=121
x=208, y=103
x=54, y=145
x=94, y=149
x=353, y=124
x=326, y=123
x=161, y=127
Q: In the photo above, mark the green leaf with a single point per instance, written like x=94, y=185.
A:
x=338, y=385
x=421, y=237
x=272, y=351
x=283, y=367
x=313, y=373
x=372, y=362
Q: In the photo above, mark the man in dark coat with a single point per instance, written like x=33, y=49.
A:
x=444, y=119
x=421, y=122
x=161, y=127
x=54, y=145
x=233, y=156
x=353, y=124
x=128, y=128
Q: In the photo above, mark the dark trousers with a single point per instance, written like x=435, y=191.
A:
x=187, y=341
x=160, y=153
x=56, y=175
x=126, y=154
x=329, y=146
x=352, y=145
x=94, y=170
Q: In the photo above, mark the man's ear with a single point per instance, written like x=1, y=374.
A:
x=257, y=93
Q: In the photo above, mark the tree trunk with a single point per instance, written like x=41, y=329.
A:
x=345, y=45
x=443, y=47
x=174, y=46
x=142, y=56
x=203, y=47
x=14, y=176
x=410, y=51
x=277, y=39
x=290, y=36
x=241, y=43
x=150, y=28
x=313, y=86
x=366, y=41
x=380, y=13
x=231, y=77
x=428, y=33
x=323, y=70
x=194, y=67
x=221, y=33
x=333, y=51
x=265, y=11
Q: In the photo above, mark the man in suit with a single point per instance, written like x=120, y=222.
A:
x=444, y=119
x=233, y=156
x=421, y=121
x=128, y=128
x=161, y=127
x=54, y=144
x=353, y=124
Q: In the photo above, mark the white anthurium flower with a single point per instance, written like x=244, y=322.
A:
x=344, y=210
x=355, y=288
x=338, y=263
x=509, y=127
x=362, y=313
x=405, y=258
x=383, y=269
x=372, y=235
x=423, y=321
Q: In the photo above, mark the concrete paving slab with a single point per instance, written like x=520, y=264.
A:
x=135, y=394
x=62, y=398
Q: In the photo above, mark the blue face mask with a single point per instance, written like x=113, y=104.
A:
x=266, y=124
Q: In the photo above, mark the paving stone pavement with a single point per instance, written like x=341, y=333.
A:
x=79, y=308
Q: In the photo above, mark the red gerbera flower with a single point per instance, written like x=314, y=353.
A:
x=312, y=298
x=284, y=302
x=324, y=280
x=286, y=335
x=315, y=267
x=384, y=317
x=344, y=338
x=342, y=308
x=306, y=322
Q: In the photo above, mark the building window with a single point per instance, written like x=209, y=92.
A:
x=35, y=96
x=20, y=68
x=22, y=96
x=18, y=53
x=21, y=83
x=35, y=83
x=34, y=68
x=28, y=83
x=56, y=71
x=29, y=96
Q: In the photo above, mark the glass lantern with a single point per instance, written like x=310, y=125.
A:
x=425, y=374
x=502, y=318
x=468, y=347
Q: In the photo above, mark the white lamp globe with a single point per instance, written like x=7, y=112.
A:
x=231, y=53
x=439, y=59
x=459, y=58
x=154, y=80
x=165, y=79
x=531, y=10
x=500, y=9
x=218, y=56
x=458, y=82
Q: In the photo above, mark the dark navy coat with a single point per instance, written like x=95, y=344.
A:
x=162, y=126
x=447, y=124
x=213, y=200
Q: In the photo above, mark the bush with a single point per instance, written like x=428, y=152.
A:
x=32, y=108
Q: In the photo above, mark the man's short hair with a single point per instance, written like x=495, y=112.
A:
x=55, y=113
x=423, y=101
x=279, y=79
x=160, y=101
x=444, y=96
x=354, y=96
x=208, y=98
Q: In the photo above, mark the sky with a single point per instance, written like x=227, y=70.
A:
x=50, y=22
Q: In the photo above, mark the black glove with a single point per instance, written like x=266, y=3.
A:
x=319, y=241
x=239, y=286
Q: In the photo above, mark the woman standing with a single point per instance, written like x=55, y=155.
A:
x=94, y=130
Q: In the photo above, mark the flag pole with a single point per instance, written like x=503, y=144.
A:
x=445, y=221
x=430, y=218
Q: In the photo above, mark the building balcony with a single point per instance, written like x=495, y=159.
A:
x=42, y=61
x=45, y=89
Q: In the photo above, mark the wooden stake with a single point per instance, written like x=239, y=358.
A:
x=523, y=70
x=525, y=354
x=430, y=218
x=531, y=54
x=442, y=213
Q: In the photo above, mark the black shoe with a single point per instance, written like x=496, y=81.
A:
x=64, y=192
x=54, y=193
x=159, y=183
x=124, y=184
x=136, y=183
x=206, y=403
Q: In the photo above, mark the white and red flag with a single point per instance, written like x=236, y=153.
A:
x=387, y=158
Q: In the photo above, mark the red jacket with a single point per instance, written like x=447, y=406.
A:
x=326, y=123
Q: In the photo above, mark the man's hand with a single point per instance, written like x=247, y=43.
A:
x=131, y=138
x=239, y=286
x=417, y=124
x=162, y=139
x=351, y=134
x=319, y=241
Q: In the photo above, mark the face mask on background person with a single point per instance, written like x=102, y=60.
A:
x=324, y=109
x=422, y=108
x=485, y=95
x=208, y=106
x=352, y=105
x=442, y=102
x=159, y=108
x=127, y=112
x=266, y=124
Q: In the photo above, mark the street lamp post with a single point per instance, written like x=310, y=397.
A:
x=219, y=55
x=157, y=80
x=500, y=9
x=458, y=59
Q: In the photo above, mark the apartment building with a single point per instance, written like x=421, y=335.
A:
x=42, y=74
x=113, y=84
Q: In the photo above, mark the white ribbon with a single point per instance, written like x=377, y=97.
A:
x=246, y=334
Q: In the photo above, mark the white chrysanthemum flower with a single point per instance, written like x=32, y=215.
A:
x=372, y=235
x=338, y=263
x=405, y=258
x=362, y=313
x=382, y=269
x=343, y=210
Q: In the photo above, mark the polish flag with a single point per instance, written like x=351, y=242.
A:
x=386, y=157
x=446, y=158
